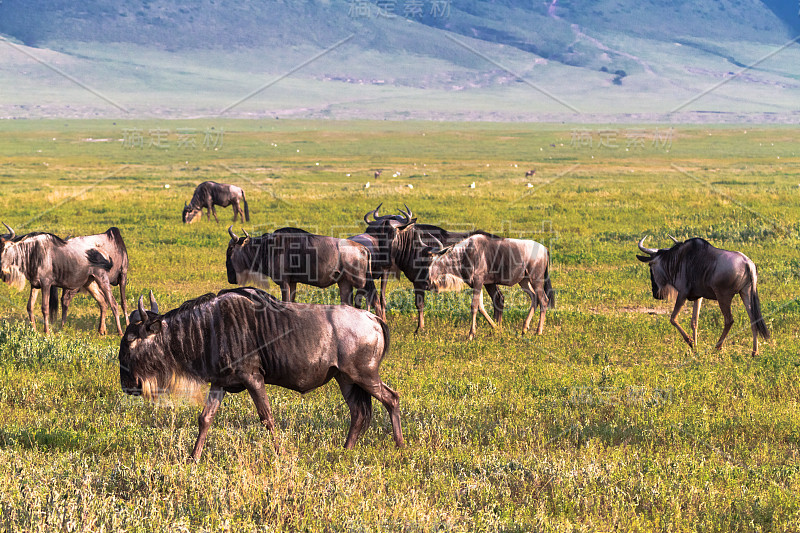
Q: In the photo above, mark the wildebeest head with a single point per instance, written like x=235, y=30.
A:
x=5, y=272
x=191, y=213
x=143, y=367
x=444, y=266
x=243, y=260
x=660, y=278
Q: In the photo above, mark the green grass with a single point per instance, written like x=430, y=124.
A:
x=606, y=421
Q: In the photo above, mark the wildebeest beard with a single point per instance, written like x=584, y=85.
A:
x=245, y=264
x=448, y=283
x=667, y=292
x=161, y=377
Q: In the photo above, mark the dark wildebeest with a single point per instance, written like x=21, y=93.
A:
x=693, y=270
x=242, y=339
x=49, y=262
x=399, y=238
x=378, y=173
x=112, y=246
x=530, y=173
x=208, y=194
x=290, y=256
x=483, y=259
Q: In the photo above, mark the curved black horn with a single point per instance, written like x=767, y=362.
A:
x=374, y=213
x=676, y=241
x=650, y=251
x=232, y=234
x=408, y=212
x=153, y=304
x=140, y=306
x=11, y=231
x=245, y=233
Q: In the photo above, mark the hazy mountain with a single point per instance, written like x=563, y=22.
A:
x=597, y=53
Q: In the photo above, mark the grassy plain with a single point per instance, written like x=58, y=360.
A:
x=605, y=422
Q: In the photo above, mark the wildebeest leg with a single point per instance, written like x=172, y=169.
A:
x=391, y=400
x=123, y=283
x=236, y=211
x=748, y=306
x=544, y=302
x=66, y=299
x=360, y=404
x=526, y=286
x=696, y=318
x=31, y=304
x=679, y=301
x=477, y=305
x=288, y=291
x=214, y=212
x=725, y=307
x=94, y=289
x=46, y=307
x=346, y=293
x=497, y=302
x=259, y=396
x=213, y=401
x=384, y=283
x=419, y=301
x=105, y=287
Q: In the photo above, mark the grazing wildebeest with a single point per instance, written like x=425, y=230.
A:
x=403, y=240
x=482, y=259
x=49, y=262
x=112, y=247
x=378, y=173
x=530, y=173
x=693, y=270
x=290, y=256
x=242, y=339
x=208, y=194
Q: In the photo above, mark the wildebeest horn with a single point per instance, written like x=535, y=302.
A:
x=374, y=213
x=245, y=233
x=232, y=234
x=407, y=211
x=142, y=312
x=676, y=241
x=153, y=304
x=650, y=251
x=11, y=231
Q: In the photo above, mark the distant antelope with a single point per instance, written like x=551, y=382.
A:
x=530, y=173
x=378, y=173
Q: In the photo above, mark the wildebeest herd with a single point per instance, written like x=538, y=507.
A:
x=243, y=338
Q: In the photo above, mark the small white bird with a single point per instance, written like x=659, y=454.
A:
x=166, y=185
x=348, y=174
x=472, y=185
x=410, y=186
x=394, y=175
x=366, y=185
x=530, y=185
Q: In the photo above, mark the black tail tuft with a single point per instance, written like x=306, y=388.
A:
x=548, y=289
x=758, y=318
x=363, y=404
x=53, y=303
x=97, y=259
x=246, y=208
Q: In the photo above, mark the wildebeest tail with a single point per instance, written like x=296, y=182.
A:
x=386, y=340
x=114, y=234
x=548, y=289
x=361, y=402
x=246, y=208
x=53, y=303
x=757, y=318
x=97, y=259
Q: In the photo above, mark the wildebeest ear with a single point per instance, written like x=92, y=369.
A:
x=442, y=251
x=155, y=327
x=644, y=258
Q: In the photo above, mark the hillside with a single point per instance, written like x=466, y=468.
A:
x=503, y=59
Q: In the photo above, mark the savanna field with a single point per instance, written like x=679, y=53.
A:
x=607, y=421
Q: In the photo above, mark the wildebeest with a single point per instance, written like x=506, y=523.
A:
x=378, y=173
x=482, y=259
x=112, y=247
x=403, y=240
x=290, y=256
x=693, y=270
x=242, y=339
x=208, y=194
x=48, y=262
x=530, y=172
